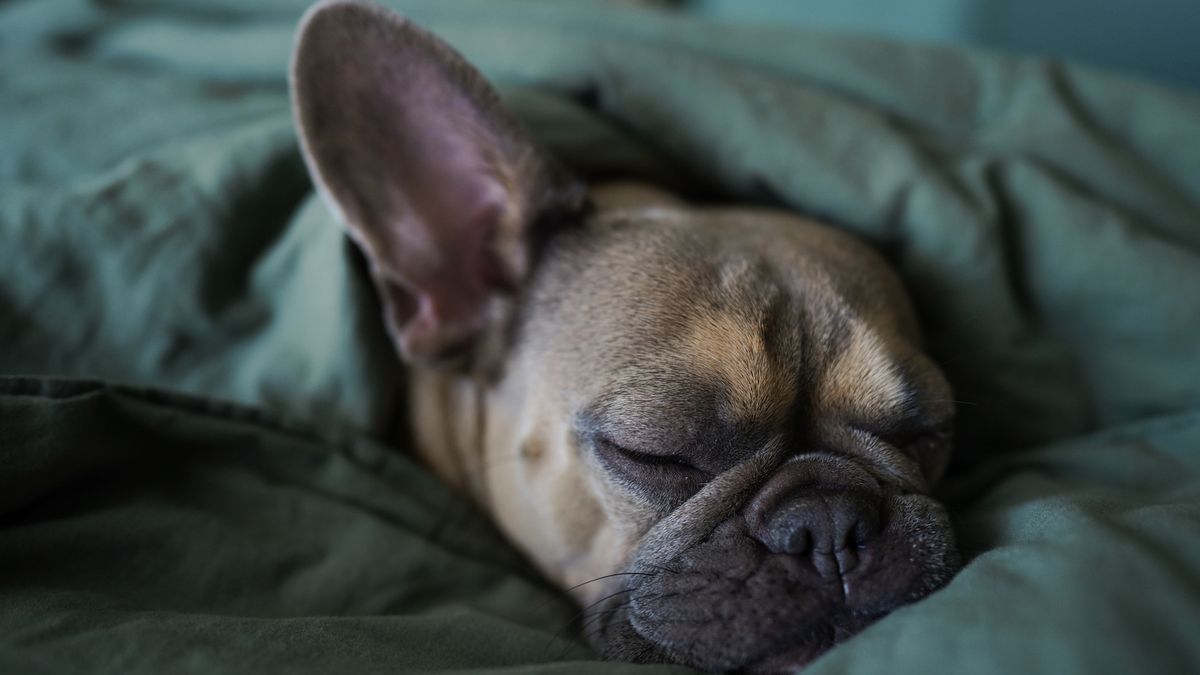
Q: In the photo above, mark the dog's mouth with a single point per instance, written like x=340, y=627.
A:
x=731, y=603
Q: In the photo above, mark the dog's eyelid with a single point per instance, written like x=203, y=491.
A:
x=649, y=458
x=656, y=477
x=908, y=432
x=911, y=434
x=662, y=479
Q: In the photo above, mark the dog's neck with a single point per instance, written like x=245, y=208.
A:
x=448, y=422
x=473, y=448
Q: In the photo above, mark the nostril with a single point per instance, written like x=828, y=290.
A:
x=861, y=534
x=796, y=541
x=834, y=528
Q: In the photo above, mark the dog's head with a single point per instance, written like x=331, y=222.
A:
x=721, y=415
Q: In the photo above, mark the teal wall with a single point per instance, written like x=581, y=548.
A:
x=1159, y=39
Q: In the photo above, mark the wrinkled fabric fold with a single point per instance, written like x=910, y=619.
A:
x=200, y=410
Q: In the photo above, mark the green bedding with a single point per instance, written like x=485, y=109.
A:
x=158, y=233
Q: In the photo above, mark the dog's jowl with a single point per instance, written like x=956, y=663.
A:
x=725, y=413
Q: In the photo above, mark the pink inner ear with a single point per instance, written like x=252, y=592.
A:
x=441, y=253
x=452, y=303
x=410, y=143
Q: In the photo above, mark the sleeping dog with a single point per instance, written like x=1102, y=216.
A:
x=723, y=416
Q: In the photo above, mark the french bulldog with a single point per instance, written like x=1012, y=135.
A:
x=714, y=427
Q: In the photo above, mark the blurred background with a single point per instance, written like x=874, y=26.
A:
x=1158, y=39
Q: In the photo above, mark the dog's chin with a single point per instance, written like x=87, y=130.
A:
x=728, y=604
x=623, y=642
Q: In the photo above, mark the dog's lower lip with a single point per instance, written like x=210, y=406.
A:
x=791, y=660
x=787, y=661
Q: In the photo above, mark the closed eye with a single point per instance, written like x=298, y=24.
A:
x=910, y=435
x=659, y=477
x=647, y=458
x=919, y=436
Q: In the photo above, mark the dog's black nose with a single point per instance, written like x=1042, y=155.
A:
x=830, y=525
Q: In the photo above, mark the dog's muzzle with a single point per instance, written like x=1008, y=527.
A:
x=810, y=560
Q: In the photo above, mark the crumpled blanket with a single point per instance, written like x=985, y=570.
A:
x=199, y=413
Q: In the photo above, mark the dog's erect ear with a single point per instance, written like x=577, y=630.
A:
x=433, y=180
